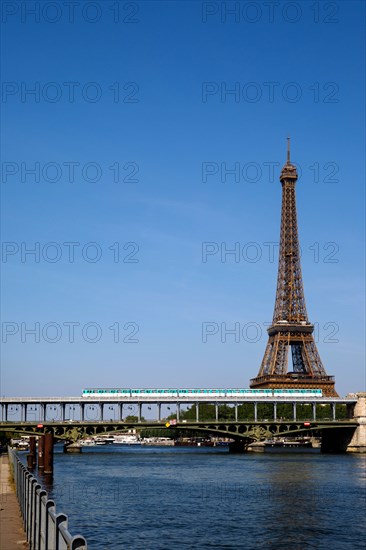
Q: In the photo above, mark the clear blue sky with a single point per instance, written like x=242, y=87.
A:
x=296, y=72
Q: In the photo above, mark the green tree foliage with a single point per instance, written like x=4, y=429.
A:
x=341, y=412
x=133, y=418
x=246, y=411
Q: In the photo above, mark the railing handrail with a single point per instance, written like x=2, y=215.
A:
x=44, y=527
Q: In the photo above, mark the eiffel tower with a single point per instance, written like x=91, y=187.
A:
x=290, y=325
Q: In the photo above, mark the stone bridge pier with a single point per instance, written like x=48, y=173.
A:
x=338, y=440
x=358, y=441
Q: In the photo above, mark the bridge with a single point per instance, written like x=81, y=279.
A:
x=73, y=418
x=60, y=408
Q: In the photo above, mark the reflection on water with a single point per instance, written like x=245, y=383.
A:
x=164, y=498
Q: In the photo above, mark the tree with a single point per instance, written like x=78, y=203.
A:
x=133, y=418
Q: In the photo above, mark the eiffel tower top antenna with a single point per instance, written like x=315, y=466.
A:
x=288, y=150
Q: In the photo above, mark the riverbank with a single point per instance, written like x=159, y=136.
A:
x=12, y=534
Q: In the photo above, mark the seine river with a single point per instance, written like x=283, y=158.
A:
x=172, y=498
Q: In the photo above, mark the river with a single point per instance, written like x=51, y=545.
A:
x=183, y=497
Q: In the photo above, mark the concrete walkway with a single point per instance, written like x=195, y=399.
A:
x=12, y=535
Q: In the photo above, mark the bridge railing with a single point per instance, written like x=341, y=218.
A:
x=45, y=528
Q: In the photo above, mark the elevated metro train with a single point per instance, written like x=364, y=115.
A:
x=193, y=393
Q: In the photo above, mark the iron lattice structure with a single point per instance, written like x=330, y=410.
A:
x=290, y=325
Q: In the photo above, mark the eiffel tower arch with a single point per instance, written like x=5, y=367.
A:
x=290, y=326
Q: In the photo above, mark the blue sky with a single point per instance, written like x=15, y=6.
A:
x=148, y=96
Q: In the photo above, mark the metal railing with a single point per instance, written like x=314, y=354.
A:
x=44, y=527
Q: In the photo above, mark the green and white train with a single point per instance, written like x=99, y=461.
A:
x=199, y=392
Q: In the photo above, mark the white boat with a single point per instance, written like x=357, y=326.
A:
x=158, y=441
x=126, y=439
x=87, y=442
x=104, y=440
x=20, y=444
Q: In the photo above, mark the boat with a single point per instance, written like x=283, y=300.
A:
x=20, y=444
x=289, y=443
x=87, y=442
x=104, y=440
x=158, y=441
x=126, y=439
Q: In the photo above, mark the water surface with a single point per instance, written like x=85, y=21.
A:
x=171, y=497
